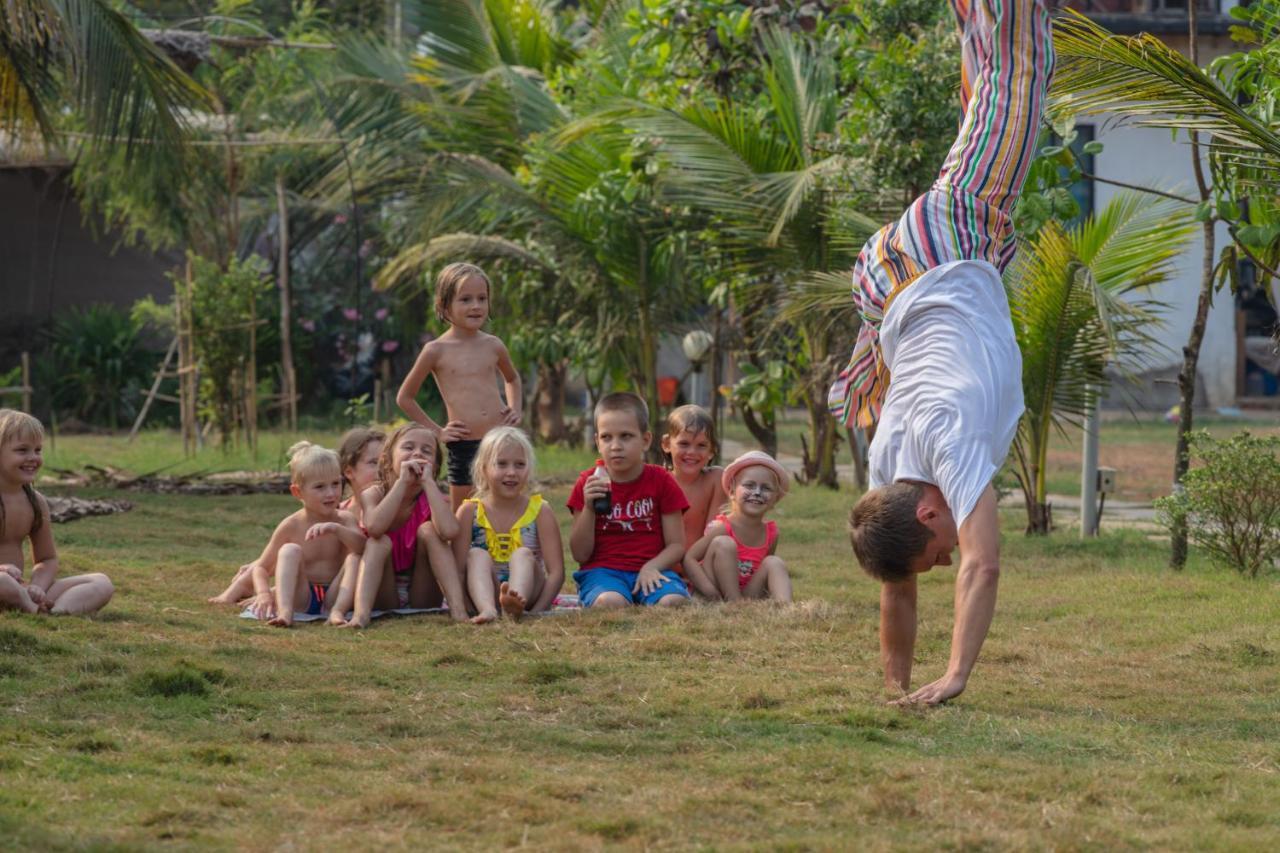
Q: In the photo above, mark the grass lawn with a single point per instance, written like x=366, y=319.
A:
x=1115, y=705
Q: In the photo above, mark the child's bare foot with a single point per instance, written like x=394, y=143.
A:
x=484, y=616
x=224, y=598
x=282, y=621
x=513, y=603
x=356, y=622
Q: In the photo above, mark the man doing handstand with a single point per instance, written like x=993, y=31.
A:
x=935, y=318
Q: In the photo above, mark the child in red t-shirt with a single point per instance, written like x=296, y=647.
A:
x=628, y=554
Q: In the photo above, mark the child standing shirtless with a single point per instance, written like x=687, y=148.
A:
x=464, y=361
x=24, y=514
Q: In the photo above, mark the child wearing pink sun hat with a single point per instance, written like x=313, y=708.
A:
x=737, y=548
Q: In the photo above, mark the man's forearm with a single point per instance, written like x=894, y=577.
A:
x=897, y=632
x=976, y=585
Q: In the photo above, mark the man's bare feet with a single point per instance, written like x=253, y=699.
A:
x=513, y=603
x=484, y=616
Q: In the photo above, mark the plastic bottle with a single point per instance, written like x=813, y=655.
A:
x=603, y=504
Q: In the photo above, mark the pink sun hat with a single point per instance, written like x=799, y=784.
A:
x=756, y=457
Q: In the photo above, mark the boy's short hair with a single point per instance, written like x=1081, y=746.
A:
x=623, y=401
x=309, y=461
x=885, y=532
x=448, y=282
x=694, y=419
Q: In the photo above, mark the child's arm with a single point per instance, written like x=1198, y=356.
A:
x=442, y=518
x=552, y=557
x=512, y=386
x=462, y=544
x=650, y=576
x=407, y=396
x=44, y=554
x=698, y=551
x=351, y=536
x=582, y=534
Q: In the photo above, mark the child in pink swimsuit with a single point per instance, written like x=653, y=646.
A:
x=409, y=525
x=737, y=549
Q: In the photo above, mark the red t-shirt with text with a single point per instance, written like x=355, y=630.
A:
x=631, y=534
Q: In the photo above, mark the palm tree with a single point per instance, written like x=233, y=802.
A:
x=1070, y=297
x=87, y=55
x=776, y=183
x=1233, y=107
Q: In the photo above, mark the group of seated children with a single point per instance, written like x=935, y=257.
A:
x=640, y=535
x=396, y=542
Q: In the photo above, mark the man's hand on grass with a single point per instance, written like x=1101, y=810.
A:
x=935, y=692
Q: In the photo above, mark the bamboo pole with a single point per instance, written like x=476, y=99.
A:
x=287, y=373
x=26, y=382
x=153, y=394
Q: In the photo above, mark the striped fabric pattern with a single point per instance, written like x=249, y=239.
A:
x=1006, y=64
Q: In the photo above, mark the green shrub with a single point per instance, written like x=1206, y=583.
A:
x=99, y=367
x=1230, y=502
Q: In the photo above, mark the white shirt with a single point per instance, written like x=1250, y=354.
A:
x=955, y=384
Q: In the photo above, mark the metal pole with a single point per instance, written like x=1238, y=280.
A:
x=1089, y=470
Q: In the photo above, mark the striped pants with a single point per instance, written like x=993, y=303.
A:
x=1006, y=63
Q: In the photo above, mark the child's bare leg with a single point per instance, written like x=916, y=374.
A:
x=343, y=590
x=14, y=594
x=609, y=601
x=290, y=591
x=80, y=595
x=374, y=570
x=722, y=560
x=525, y=584
x=672, y=601
x=700, y=580
x=480, y=585
x=445, y=570
x=777, y=579
x=241, y=587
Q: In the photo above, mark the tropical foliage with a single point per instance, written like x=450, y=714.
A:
x=1080, y=302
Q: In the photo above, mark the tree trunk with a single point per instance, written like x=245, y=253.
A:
x=858, y=448
x=1191, y=352
x=764, y=430
x=287, y=374
x=548, y=402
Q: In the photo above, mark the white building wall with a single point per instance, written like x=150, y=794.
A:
x=1150, y=157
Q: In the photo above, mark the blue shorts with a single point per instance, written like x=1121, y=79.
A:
x=319, y=592
x=592, y=582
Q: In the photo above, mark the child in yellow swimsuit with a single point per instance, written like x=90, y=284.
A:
x=513, y=557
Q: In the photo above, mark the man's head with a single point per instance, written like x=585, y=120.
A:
x=902, y=530
x=622, y=433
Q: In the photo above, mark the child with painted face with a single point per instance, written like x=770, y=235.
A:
x=24, y=514
x=407, y=561
x=307, y=550
x=627, y=548
x=358, y=455
x=509, y=540
x=738, y=548
x=689, y=445
x=466, y=362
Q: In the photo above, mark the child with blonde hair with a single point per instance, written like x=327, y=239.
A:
x=689, y=444
x=307, y=551
x=358, y=457
x=738, y=548
x=407, y=561
x=24, y=514
x=509, y=541
x=465, y=362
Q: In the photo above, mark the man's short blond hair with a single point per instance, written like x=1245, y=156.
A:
x=885, y=532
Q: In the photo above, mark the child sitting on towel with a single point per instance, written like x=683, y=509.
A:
x=508, y=539
x=307, y=549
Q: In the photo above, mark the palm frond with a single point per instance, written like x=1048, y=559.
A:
x=411, y=262
x=1100, y=72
